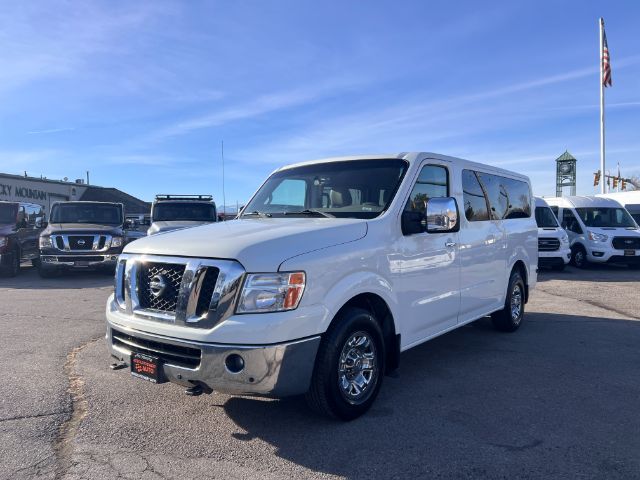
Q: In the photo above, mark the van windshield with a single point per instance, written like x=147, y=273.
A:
x=184, y=211
x=348, y=189
x=7, y=213
x=97, y=213
x=606, y=217
x=545, y=218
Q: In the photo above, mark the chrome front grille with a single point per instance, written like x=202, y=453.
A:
x=185, y=291
x=170, y=275
x=81, y=242
x=548, y=244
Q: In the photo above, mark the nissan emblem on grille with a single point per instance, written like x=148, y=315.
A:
x=157, y=285
x=80, y=242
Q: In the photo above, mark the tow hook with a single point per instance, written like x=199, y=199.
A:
x=194, y=391
x=117, y=365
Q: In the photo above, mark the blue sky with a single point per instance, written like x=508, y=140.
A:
x=142, y=93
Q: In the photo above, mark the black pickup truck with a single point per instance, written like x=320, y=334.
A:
x=20, y=226
x=82, y=235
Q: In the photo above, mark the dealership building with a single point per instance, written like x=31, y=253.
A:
x=17, y=188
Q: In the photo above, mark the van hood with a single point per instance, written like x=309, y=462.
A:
x=259, y=244
x=82, y=228
x=167, y=226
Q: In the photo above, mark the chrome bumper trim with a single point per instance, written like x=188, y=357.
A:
x=275, y=370
x=63, y=260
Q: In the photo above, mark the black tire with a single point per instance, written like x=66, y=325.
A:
x=13, y=269
x=35, y=262
x=510, y=317
x=355, y=331
x=579, y=257
x=46, y=272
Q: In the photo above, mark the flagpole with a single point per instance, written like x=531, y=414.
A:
x=602, y=164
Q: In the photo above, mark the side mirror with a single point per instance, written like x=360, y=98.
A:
x=442, y=215
x=412, y=222
x=40, y=223
x=127, y=224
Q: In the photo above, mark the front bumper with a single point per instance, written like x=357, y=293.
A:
x=554, y=257
x=277, y=370
x=78, y=261
x=605, y=254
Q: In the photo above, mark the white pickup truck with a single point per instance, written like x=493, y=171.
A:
x=332, y=269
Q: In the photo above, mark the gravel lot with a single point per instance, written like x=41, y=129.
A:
x=557, y=399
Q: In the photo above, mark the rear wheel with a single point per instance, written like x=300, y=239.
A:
x=349, y=366
x=510, y=317
x=579, y=256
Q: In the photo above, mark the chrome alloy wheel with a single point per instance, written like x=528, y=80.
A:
x=357, y=368
x=516, y=303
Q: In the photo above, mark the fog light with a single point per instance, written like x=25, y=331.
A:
x=597, y=254
x=234, y=363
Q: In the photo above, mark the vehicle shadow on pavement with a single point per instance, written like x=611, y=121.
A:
x=558, y=397
x=28, y=278
x=594, y=273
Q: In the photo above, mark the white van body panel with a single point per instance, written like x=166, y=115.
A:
x=597, y=251
x=555, y=234
x=430, y=282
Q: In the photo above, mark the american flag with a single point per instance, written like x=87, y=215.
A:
x=606, y=64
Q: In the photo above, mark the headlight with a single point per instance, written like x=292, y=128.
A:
x=564, y=238
x=271, y=292
x=117, y=241
x=45, y=241
x=3, y=241
x=597, y=237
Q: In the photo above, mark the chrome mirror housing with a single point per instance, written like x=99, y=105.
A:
x=442, y=215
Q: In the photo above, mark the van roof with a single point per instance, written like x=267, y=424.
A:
x=414, y=157
x=540, y=202
x=583, y=201
x=625, y=198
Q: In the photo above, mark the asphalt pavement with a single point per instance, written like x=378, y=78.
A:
x=557, y=399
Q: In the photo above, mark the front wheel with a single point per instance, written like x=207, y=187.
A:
x=13, y=269
x=579, y=256
x=510, y=317
x=349, y=366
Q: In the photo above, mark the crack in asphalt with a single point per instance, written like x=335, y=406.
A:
x=37, y=415
x=593, y=304
x=63, y=443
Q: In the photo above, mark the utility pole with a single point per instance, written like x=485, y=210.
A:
x=224, y=198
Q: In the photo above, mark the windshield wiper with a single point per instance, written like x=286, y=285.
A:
x=257, y=213
x=310, y=211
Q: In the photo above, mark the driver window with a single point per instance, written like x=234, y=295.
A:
x=570, y=222
x=433, y=182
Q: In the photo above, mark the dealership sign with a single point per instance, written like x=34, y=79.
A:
x=22, y=192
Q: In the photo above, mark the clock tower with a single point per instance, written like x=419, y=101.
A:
x=565, y=173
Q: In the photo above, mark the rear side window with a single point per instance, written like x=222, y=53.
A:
x=519, y=197
x=432, y=182
x=475, y=203
x=497, y=194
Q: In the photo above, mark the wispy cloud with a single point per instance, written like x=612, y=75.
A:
x=51, y=130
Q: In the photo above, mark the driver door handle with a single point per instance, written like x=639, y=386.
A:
x=450, y=244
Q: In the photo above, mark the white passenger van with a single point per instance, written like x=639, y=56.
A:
x=331, y=270
x=553, y=241
x=600, y=230
x=629, y=200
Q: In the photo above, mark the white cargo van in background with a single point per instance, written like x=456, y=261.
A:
x=629, y=200
x=553, y=241
x=600, y=230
